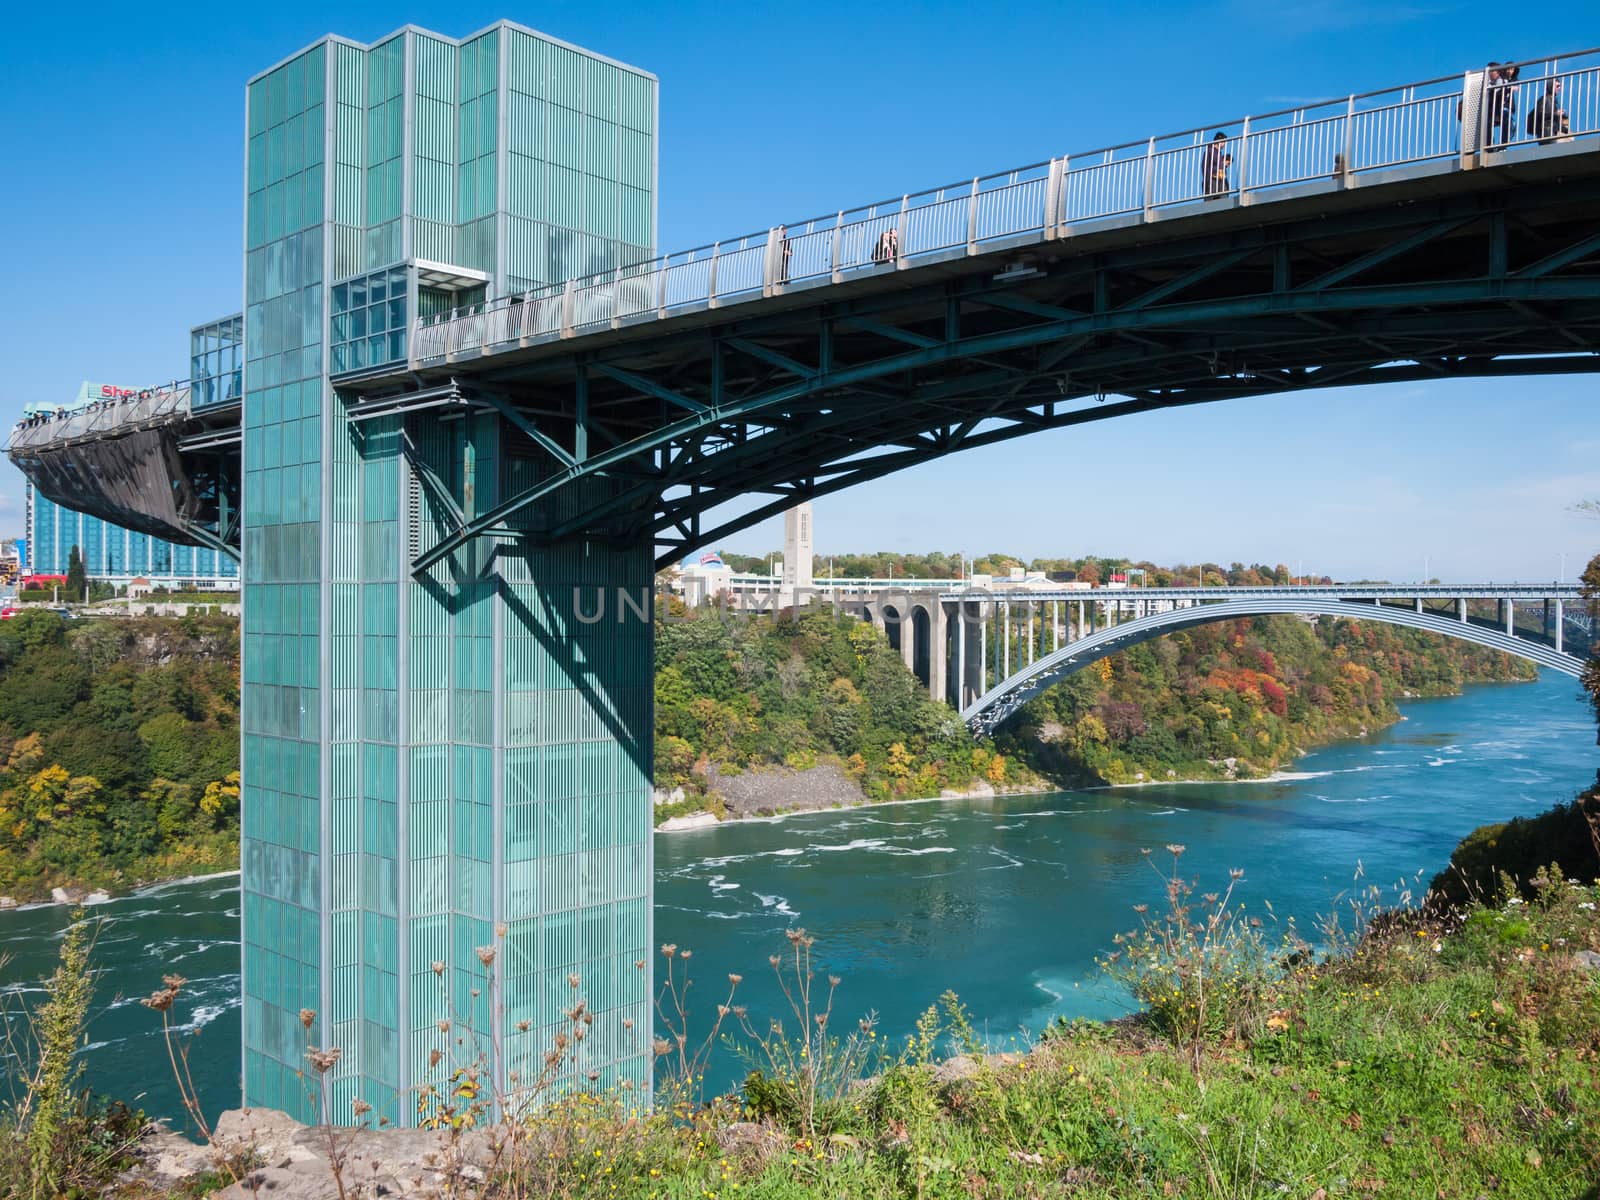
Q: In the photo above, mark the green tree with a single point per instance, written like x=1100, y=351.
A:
x=77, y=577
x=1591, y=669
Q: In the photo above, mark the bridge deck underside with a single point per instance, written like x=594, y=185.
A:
x=141, y=478
x=1479, y=274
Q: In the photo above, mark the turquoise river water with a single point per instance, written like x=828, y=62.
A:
x=1007, y=901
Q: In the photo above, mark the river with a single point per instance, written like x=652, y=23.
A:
x=1006, y=901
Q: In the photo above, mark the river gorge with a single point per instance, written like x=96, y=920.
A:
x=1007, y=901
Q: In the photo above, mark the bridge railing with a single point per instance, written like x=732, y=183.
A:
x=1231, y=162
x=100, y=417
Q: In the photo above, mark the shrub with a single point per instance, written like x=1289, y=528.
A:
x=804, y=1078
x=1567, y=836
x=1201, y=968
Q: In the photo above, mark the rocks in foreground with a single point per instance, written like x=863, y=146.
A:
x=264, y=1152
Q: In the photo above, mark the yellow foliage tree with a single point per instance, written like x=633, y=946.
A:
x=26, y=755
x=996, y=770
x=900, y=761
x=1089, y=730
x=221, y=796
x=47, y=791
x=862, y=639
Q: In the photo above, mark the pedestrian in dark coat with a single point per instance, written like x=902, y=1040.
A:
x=1547, y=120
x=1214, y=164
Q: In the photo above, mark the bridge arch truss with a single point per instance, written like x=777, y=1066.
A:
x=991, y=709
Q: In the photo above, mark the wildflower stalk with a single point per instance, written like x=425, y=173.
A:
x=60, y=1028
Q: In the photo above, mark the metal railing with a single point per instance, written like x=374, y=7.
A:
x=101, y=417
x=1468, y=117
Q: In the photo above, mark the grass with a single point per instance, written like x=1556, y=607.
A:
x=1429, y=1054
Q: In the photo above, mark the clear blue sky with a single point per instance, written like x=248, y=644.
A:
x=121, y=212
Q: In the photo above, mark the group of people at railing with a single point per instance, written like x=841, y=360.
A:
x=62, y=413
x=1547, y=121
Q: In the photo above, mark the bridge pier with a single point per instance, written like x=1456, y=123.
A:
x=983, y=651
x=969, y=652
x=961, y=655
x=1005, y=636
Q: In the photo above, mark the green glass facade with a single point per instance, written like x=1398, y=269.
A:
x=458, y=761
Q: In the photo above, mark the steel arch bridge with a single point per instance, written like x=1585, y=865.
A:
x=810, y=391
x=992, y=708
x=1377, y=238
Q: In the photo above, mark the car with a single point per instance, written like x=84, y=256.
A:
x=11, y=610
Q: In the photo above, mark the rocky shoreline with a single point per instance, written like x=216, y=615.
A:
x=82, y=896
x=61, y=895
x=773, y=793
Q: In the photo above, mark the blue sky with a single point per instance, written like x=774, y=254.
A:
x=122, y=215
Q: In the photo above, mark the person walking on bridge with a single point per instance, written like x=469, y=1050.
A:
x=1214, y=164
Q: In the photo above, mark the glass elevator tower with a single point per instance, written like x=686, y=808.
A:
x=440, y=764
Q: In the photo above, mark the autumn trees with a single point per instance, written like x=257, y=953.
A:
x=1238, y=697
x=118, y=750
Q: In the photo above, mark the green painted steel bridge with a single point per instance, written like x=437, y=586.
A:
x=1396, y=236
